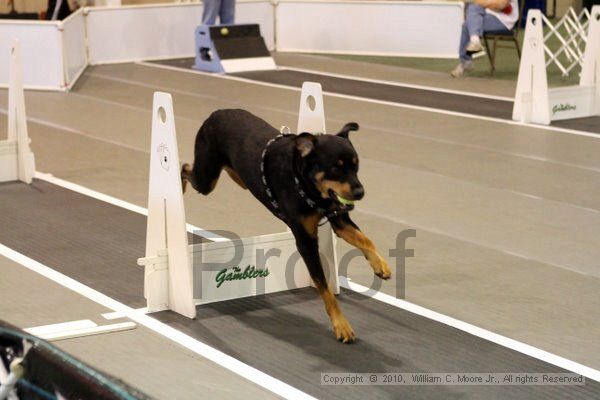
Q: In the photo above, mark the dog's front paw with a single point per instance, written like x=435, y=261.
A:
x=343, y=331
x=381, y=268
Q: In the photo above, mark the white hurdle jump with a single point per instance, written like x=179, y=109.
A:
x=178, y=276
x=16, y=159
x=534, y=101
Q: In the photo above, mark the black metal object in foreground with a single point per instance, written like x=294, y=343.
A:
x=46, y=372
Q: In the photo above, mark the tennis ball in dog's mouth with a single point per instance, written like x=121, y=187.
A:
x=344, y=201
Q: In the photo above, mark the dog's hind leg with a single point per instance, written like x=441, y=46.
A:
x=186, y=175
x=345, y=228
x=308, y=247
x=203, y=176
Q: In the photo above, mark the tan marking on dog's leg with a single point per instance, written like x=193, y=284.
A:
x=186, y=170
x=311, y=224
x=341, y=327
x=236, y=178
x=213, y=184
x=358, y=239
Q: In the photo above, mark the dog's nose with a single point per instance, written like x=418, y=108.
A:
x=358, y=193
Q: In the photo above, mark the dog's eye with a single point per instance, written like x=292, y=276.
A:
x=336, y=171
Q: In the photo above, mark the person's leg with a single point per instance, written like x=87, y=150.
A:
x=227, y=13
x=464, y=41
x=477, y=22
x=491, y=23
x=210, y=12
x=474, y=19
x=466, y=61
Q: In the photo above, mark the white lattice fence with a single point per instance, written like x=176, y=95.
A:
x=570, y=33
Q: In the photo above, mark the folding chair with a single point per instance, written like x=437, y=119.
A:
x=503, y=36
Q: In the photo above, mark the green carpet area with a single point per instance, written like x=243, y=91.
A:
x=507, y=64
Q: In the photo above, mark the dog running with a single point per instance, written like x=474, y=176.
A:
x=300, y=178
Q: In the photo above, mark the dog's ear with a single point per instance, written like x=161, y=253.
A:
x=350, y=126
x=305, y=143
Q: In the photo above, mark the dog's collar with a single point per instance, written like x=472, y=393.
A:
x=300, y=187
x=265, y=181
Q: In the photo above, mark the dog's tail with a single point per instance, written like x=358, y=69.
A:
x=186, y=175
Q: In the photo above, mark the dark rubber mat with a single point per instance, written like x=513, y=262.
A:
x=183, y=63
x=467, y=104
x=91, y=241
x=588, y=124
x=286, y=335
x=392, y=93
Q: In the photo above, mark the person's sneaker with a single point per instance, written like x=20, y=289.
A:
x=461, y=68
x=479, y=54
x=474, y=47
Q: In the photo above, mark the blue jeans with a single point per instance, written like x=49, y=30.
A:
x=225, y=9
x=476, y=22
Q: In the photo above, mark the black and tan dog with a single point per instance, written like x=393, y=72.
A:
x=299, y=178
